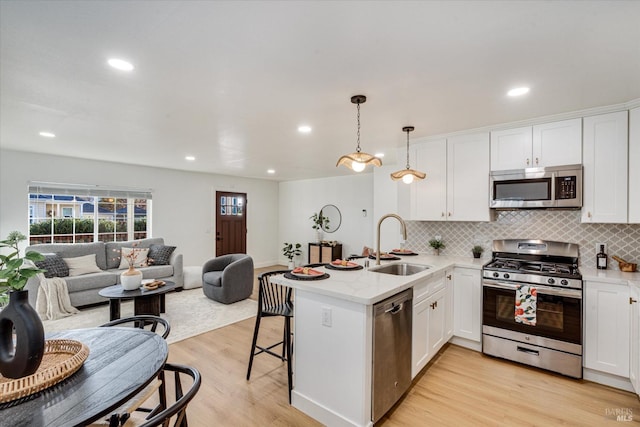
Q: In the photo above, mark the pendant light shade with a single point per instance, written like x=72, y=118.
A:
x=358, y=161
x=407, y=175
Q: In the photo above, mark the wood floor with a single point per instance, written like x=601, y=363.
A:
x=459, y=388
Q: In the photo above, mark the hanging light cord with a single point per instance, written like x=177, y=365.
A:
x=408, y=166
x=358, y=148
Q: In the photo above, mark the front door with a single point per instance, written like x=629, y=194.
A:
x=231, y=223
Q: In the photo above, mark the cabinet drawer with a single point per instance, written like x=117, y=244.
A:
x=428, y=287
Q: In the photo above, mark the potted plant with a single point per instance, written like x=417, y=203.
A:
x=320, y=222
x=437, y=244
x=15, y=271
x=477, y=251
x=291, y=250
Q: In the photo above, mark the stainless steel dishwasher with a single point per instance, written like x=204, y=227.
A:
x=391, y=351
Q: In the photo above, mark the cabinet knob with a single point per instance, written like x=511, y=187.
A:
x=449, y=277
x=631, y=300
x=449, y=213
x=442, y=214
x=588, y=214
x=527, y=161
x=536, y=160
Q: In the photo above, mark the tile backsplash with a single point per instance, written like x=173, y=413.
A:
x=622, y=240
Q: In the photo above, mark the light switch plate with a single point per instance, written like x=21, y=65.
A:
x=326, y=316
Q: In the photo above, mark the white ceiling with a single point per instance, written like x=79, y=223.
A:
x=229, y=82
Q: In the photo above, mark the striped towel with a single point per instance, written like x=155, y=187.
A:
x=526, y=302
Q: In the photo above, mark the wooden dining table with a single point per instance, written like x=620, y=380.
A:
x=121, y=362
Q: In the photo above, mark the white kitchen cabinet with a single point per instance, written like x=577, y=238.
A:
x=549, y=144
x=511, y=148
x=468, y=177
x=606, y=320
x=457, y=183
x=467, y=289
x=634, y=341
x=605, y=174
x=634, y=166
x=431, y=311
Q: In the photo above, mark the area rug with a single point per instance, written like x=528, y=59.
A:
x=189, y=313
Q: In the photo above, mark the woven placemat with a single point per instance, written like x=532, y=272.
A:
x=60, y=360
x=288, y=275
x=333, y=267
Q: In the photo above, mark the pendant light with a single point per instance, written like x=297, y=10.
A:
x=358, y=161
x=407, y=175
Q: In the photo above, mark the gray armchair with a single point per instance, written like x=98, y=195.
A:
x=228, y=278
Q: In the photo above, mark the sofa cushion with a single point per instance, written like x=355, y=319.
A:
x=156, y=272
x=81, y=265
x=113, y=254
x=136, y=256
x=213, y=278
x=53, y=265
x=90, y=281
x=160, y=254
x=73, y=250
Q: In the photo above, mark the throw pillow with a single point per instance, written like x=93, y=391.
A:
x=82, y=265
x=53, y=265
x=134, y=256
x=160, y=254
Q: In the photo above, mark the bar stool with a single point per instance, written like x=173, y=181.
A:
x=274, y=300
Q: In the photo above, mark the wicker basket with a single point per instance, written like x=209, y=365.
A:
x=60, y=360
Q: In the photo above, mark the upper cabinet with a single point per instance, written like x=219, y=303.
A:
x=457, y=184
x=634, y=165
x=549, y=144
x=605, y=168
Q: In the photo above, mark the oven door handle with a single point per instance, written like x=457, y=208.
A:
x=570, y=293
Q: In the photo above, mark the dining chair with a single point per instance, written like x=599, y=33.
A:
x=177, y=410
x=274, y=300
x=146, y=322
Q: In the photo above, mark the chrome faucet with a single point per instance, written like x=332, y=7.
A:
x=404, y=232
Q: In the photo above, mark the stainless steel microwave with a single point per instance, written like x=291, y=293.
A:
x=531, y=188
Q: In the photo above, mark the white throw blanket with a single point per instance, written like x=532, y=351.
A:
x=53, y=302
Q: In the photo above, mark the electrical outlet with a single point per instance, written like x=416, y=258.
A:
x=598, y=247
x=326, y=316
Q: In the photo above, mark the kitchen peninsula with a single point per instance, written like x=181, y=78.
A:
x=333, y=343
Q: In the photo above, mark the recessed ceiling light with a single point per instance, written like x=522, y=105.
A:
x=120, y=64
x=271, y=171
x=47, y=134
x=379, y=155
x=518, y=91
x=190, y=158
x=304, y=129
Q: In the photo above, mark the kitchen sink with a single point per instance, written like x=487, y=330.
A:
x=400, y=269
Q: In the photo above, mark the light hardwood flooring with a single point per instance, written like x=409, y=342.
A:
x=460, y=387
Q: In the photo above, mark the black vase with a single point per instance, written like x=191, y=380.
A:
x=22, y=358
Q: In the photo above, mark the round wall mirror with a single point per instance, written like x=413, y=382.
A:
x=335, y=218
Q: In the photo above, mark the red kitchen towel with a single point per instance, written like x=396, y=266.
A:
x=526, y=302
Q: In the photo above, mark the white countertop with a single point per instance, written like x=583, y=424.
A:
x=609, y=276
x=367, y=287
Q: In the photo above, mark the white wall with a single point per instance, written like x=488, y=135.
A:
x=300, y=199
x=183, y=202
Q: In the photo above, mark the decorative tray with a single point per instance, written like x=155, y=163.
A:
x=289, y=275
x=61, y=359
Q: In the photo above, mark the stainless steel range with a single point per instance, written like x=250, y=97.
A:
x=532, y=305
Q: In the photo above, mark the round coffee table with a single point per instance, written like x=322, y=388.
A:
x=144, y=301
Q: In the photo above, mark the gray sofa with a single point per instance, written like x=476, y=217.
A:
x=83, y=290
x=228, y=278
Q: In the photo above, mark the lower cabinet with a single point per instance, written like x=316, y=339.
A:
x=634, y=359
x=432, y=319
x=467, y=305
x=607, y=320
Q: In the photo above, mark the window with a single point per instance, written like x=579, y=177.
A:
x=79, y=214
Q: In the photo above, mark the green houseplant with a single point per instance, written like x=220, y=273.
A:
x=22, y=355
x=477, y=251
x=291, y=250
x=437, y=244
x=320, y=223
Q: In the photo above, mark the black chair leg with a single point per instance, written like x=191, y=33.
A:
x=253, y=346
x=287, y=344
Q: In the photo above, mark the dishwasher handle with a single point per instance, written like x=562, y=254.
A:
x=396, y=308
